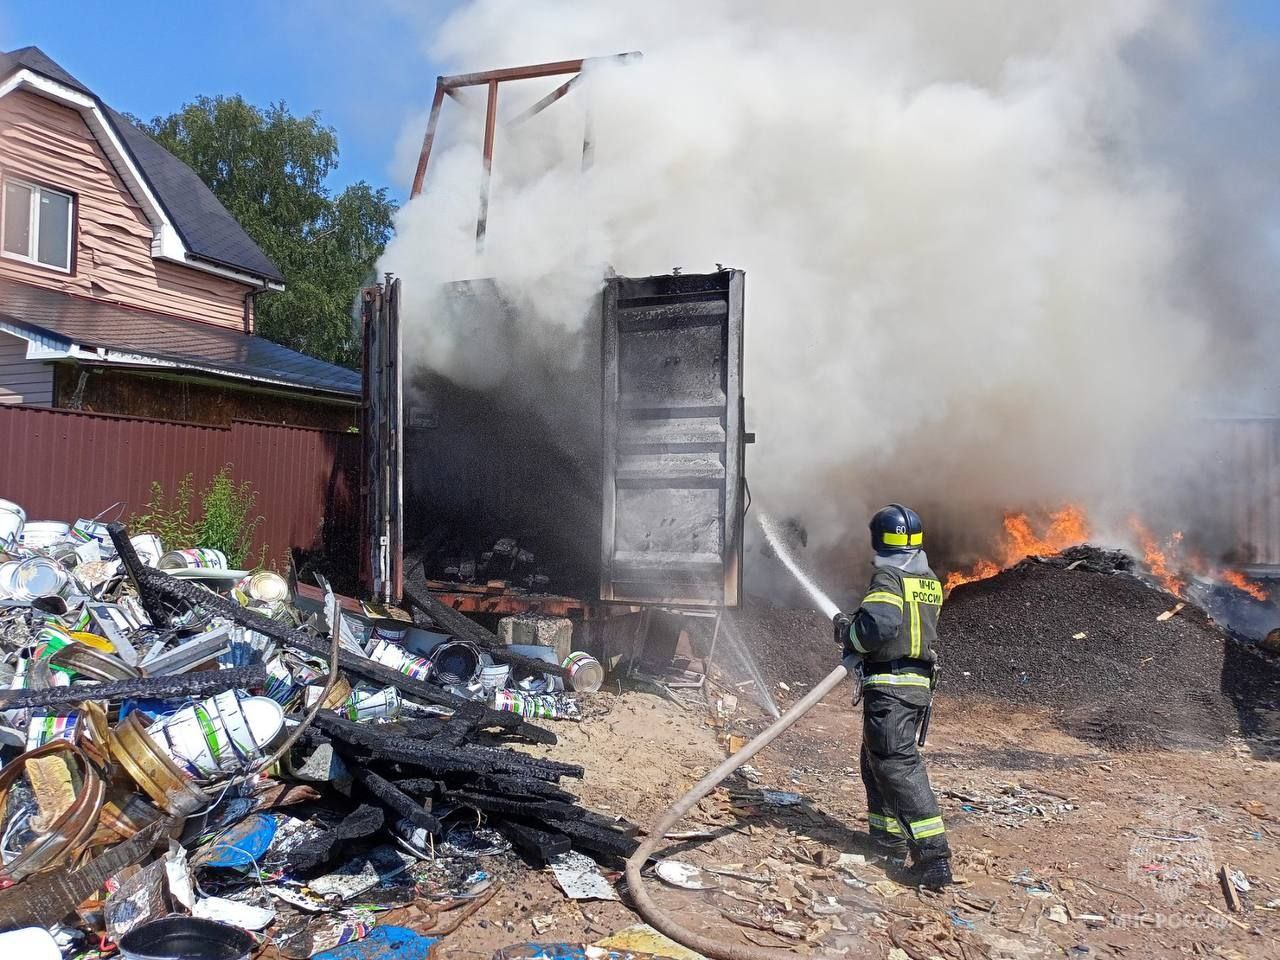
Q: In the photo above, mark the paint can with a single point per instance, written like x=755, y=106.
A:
x=389, y=655
x=186, y=938
x=225, y=733
x=509, y=701
x=12, y=519
x=392, y=631
x=195, y=558
x=43, y=533
x=194, y=742
x=8, y=579
x=39, y=577
x=586, y=675
x=339, y=697
x=84, y=531
x=531, y=706
x=164, y=781
x=45, y=727
x=264, y=587
x=148, y=548
x=495, y=676
x=383, y=704
x=454, y=663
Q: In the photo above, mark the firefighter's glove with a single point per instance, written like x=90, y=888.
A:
x=842, y=625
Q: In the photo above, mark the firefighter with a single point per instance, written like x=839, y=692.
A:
x=891, y=636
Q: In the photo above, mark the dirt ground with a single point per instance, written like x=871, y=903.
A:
x=1063, y=850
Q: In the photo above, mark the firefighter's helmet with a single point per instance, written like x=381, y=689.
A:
x=896, y=529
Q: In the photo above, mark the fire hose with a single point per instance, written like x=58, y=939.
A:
x=709, y=946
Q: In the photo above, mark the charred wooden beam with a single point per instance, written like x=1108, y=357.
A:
x=596, y=839
x=201, y=684
x=523, y=787
x=471, y=760
x=528, y=808
x=421, y=786
x=362, y=822
x=540, y=845
x=396, y=800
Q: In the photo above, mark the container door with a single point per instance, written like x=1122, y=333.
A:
x=382, y=562
x=673, y=440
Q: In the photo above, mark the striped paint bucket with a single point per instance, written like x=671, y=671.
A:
x=195, y=558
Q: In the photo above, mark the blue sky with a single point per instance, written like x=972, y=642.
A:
x=365, y=72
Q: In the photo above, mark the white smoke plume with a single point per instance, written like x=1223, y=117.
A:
x=974, y=235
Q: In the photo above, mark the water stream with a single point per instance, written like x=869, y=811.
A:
x=776, y=540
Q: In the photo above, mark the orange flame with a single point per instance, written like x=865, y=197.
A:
x=1156, y=559
x=1169, y=562
x=1066, y=528
x=1243, y=584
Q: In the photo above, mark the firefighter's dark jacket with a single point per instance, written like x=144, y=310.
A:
x=898, y=617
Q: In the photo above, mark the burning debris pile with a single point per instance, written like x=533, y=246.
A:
x=320, y=768
x=1121, y=661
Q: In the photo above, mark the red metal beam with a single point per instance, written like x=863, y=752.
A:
x=545, y=102
x=424, y=157
x=510, y=604
x=491, y=78
x=490, y=123
x=532, y=72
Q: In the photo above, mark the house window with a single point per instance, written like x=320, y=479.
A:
x=37, y=224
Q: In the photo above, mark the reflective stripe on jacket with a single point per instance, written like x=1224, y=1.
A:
x=898, y=618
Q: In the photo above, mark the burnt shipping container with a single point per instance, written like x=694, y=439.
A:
x=621, y=474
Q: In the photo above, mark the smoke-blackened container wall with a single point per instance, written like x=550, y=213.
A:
x=673, y=439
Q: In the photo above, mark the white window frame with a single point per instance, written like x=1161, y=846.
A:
x=33, y=220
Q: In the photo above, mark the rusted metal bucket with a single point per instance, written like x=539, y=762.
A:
x=158, y=776
x=69, y=834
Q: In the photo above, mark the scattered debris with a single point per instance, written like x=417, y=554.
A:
x=188, y=700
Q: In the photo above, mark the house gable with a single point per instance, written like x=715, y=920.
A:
x=115, y=233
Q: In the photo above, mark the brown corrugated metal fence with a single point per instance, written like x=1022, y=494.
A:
x=64, y=464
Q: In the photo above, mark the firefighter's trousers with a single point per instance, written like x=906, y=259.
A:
x=900, y=802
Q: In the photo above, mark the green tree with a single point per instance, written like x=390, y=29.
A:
x=269, y=169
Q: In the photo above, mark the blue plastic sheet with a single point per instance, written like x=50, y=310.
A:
x=383, y=943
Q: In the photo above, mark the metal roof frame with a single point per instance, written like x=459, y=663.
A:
x=492, y=79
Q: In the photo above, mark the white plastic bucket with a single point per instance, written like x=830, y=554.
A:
x=12, y=519
x=195, y=741
x=30, y=943
x=44, y=533
x=223, y=734
x=197, y=558
x=148, y=548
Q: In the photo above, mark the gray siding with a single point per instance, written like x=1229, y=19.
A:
x=23, y=380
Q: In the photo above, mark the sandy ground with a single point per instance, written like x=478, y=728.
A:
x=1063, y=850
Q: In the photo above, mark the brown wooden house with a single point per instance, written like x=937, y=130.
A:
x=125, y=286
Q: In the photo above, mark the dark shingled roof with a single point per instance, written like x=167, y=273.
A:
x=71, y=319
x=209, y=232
